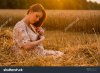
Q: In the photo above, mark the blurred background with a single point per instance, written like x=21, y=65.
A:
x=51, y=4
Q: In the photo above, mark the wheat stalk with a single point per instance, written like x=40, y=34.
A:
x=71, y=24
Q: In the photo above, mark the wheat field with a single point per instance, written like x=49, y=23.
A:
x=80, y=42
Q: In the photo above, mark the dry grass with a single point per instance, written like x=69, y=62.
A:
x=80, y=48
x=59, y=19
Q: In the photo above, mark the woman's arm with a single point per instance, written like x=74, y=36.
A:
x=22, y=38
x=31, y=45
x=40, y=30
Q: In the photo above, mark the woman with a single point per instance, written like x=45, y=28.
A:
x=28, y=34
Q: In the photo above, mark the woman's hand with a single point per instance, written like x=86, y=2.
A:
x=42, y=38
x=40, y=30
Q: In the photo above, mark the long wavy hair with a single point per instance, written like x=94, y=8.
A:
x=38, y=8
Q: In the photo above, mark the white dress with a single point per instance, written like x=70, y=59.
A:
x=23, y=34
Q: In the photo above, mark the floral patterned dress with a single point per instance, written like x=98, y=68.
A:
x=23, y=34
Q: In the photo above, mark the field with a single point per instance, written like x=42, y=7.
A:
x=80, y=42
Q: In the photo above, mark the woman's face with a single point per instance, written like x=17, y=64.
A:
x=35, y=16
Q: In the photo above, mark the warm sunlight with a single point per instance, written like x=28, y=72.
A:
x=94, y=0
x=59, y=3
x=49, y=33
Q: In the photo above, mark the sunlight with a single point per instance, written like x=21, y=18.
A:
x=94, y=1
x=59, y=3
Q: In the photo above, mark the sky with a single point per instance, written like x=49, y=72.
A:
x=94, y=0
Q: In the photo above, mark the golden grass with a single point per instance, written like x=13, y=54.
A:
x=59, y=19
x=80, y=48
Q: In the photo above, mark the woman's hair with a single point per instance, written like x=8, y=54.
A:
x=38, y=8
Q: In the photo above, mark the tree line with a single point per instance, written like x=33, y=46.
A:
x=50, y=4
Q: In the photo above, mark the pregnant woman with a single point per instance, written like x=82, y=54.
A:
x=28, y=33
